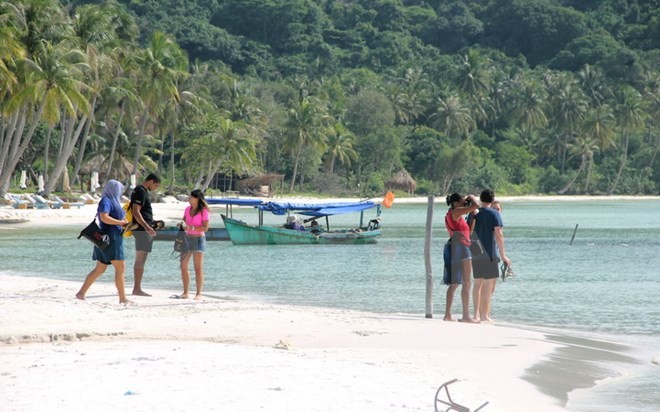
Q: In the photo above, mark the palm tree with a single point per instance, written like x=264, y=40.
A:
x=630, y=117
x=584, y=146
x=306, y=124
x=528, y=109
x=12, y=49
x=161, y=64
x=570, y=105
x=52, y=83
x=340, y=146
x=452, y=117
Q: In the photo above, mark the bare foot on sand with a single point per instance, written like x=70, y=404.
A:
x=127, y=302
x=448, y=319
x=468, y=320
x=80, y=296
x=140, y=293
x=198, y=297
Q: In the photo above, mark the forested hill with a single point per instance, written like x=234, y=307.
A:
x=286, y=37
x=525, y=96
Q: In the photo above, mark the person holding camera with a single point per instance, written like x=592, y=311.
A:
x=459, y=252
x=487, y=225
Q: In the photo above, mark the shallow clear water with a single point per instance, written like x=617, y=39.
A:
x=605, y=283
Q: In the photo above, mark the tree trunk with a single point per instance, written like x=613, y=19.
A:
x=590, y=164
x=83, y=143
x=115, y=138
x=172, y=165
x=138, y=147
x=624, y=156
x=295, y=167
x=568, y=186
x=15, y=155
x=68, y=144
x=46, y=149
x=162, y=150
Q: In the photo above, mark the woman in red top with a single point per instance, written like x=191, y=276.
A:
x=461, y=258
x=195, y=223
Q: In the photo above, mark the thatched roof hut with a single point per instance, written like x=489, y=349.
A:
x=402, y=181
x=259, y=185
x=121, y=168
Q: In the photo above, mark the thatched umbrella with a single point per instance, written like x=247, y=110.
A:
x=403, y=181
x=121, y=168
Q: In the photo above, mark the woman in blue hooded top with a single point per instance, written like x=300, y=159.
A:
x=112, y=218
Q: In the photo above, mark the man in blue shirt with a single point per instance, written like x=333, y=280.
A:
x=487, y=224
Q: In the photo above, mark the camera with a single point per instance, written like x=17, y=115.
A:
x=468, y=202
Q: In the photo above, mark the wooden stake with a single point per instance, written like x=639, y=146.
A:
x=574, y=232
x=427, y=257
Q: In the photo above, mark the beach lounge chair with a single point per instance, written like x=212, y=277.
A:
x=16, y=202
x=36, y=203
x=67, y=205
x=443, y=398
x=49, y=203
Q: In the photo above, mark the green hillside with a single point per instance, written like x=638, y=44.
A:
x=524, y=96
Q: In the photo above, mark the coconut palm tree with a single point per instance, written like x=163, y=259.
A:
x=161, y=64
x=630, y=116
x=52, y=83
x=307, y=126
x=452, y=117
x=340, y=147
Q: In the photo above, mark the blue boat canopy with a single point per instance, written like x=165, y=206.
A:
x=315, y=209
x=234, y=201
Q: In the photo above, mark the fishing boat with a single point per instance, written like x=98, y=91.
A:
x=168, y=233
x=242, y=233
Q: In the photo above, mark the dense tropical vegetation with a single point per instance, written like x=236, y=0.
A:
x=525, y=96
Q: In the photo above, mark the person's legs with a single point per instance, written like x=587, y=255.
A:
x=198, y=262
x=477, y=291
x=487, y=295
x=449, y=300
x=91, y=278
x=138, y=272
x=185, y=275
x=465, y=290
x=120, y=270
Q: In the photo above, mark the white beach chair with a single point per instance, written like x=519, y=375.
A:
x=16, y=202
x=49, y=203
x=441, y=401
x=67, y=205
x=36, y=203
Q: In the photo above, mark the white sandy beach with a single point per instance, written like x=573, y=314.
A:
x=60, y=353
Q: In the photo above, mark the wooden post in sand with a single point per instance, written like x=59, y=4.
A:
x=574, y=232
x=427, y=258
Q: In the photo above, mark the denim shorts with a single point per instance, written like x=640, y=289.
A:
x=459, y=252
x=197, y=244
x=114, y=251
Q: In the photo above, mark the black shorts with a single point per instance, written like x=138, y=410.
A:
x=485, y=268
x=143, y=241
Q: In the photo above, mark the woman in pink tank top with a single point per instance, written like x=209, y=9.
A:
x=195, y=223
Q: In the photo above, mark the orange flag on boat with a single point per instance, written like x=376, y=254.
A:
x=388, y=199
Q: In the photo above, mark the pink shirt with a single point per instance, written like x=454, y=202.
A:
x=197, y=220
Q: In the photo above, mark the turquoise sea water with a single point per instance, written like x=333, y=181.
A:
x=604, y=286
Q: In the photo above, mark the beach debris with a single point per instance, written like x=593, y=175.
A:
x=656, y=360
x=443, y=398
x=129, y=392
x=284, y=345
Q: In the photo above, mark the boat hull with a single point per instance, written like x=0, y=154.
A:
x=170, y=232
x=241, y=233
